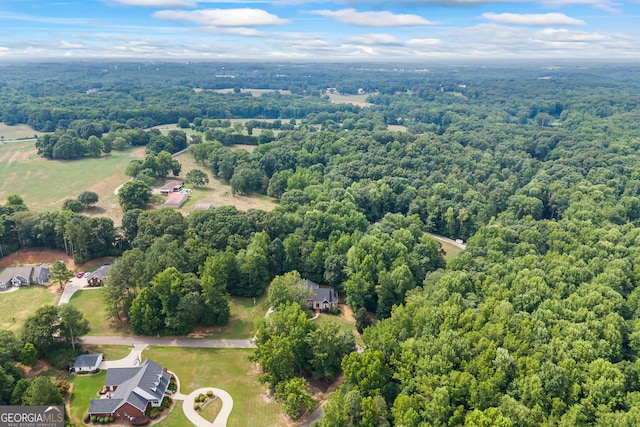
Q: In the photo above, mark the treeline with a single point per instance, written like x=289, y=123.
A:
x=84, y=238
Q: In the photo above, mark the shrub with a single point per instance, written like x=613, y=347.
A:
x=201, y=398
x=94, y=418
x=196, y=406
x=172, y=385
x=166, y=402
x=209, y=393
x=153, y=412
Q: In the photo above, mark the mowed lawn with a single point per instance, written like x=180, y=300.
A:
x=241, y=323
x=90, y=303
x=16, y=306
x=84, y=387
x=228, y=369
x=44, y=184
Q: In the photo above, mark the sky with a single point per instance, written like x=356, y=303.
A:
x=320, y=30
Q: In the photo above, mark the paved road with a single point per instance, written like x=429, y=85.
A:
x=130, y=361
x=166, y=342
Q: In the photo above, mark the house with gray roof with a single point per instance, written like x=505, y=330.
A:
x=129, y=392
x=321, y=297
x=24, y=276
x=99, y=275
x=87, y=362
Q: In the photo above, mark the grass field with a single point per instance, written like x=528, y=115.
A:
x=241, y=324
x=451, y=251
x=218, y=193
x=12, y=133
x=228, y=369
x=92, y=307
x=16, y=306
x=44, y=184
x=111, y=352
x=85, y=387
x=243, y=317
x=359, y=100
x=211, y=409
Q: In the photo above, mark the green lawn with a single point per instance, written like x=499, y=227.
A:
x=243, y=317
x=228, y=369
x=85, y=387
x=346, y=325
x=16, y=306
x=92, y=307
x=211, y=409
x=10, y=133
x=451, y=251
x=44, y=184
x=111, y=352
x=241, y=324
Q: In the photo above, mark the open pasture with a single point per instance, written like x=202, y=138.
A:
x=45, y=184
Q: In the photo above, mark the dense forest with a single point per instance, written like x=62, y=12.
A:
x=536, y=323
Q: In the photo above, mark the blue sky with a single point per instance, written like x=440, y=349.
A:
x=328, y=30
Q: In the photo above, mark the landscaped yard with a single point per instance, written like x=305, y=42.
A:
x=85, y=387
x=16, y=306
x=90, y=303
x=228, y=369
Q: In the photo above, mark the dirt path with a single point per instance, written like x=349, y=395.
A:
x=462, y=246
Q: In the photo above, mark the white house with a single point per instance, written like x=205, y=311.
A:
x=87, y=362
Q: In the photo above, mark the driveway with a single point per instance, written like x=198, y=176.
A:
x=131, y=361
x=166, y=342
x=135, y=357
x=196, y=419
x=73, y=285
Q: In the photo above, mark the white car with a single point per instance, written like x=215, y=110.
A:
x=87, y=274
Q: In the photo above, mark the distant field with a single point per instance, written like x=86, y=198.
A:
x=11, y=133
x=359, y=100
x=16, y=306
x=44, y=184
x=253, y=92
x=218, y=193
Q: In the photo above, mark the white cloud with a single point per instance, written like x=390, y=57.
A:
x=539, y=19
x=609, y=5
x=417, y=43
x=69, y=45
x=234, y=31
x=374, y=39
x=243, y=17
x=156, y=3
x=373, y=19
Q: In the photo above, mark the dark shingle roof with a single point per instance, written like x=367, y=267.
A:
x=321, y=294
x=100, y=273
x=86, y=360
x=137, y=386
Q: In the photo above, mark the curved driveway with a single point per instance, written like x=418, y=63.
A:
x=195, y=418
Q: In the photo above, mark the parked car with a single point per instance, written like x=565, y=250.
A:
x=79, y=275
x=87, y=274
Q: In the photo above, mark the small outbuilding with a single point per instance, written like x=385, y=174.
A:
x=87, y=362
